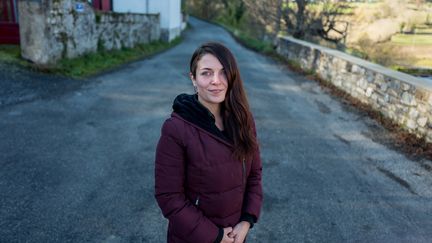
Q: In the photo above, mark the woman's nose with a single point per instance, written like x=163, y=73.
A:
x=216, y=78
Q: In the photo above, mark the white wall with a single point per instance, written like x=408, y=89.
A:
x=175, y=14
x=162, y=7
x=132, y=6
x=169, y=10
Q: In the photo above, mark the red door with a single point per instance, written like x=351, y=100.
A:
x=9, y=29
x=104, y=5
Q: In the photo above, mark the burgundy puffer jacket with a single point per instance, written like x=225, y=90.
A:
x=198, y=185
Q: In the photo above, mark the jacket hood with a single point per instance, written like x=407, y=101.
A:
x=189, y=108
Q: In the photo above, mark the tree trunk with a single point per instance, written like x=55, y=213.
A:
x=278, y=21
x=299, y=31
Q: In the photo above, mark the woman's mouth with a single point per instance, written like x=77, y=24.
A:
x=216, y=91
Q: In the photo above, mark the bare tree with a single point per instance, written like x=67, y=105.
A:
x=265, y=15
x=277, y=20
x=235, y=9
x=266, y=18
x=323, y=22
x=419, y=3
x=300, y=16
x=328, y=25
x=206, y=9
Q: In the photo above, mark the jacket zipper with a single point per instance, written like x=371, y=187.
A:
x=197, y=201
x=244, y=172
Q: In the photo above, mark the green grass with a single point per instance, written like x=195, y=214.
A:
x=423, y=29
x=89, y=64
x=249, y=41
x=411, y=39
x=413, y=71
x=94, y=63
x=11, y=54
x=253, y=43
x=424, y=63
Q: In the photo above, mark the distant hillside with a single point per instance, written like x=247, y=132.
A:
x=393, y=33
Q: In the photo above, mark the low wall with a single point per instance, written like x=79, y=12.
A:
x=54, y=29
x=405, y=99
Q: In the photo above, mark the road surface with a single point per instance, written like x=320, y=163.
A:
x=78, y=167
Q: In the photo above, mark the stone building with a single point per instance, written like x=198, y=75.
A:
x=9, y=18
x=49, y=30
x=169, y=10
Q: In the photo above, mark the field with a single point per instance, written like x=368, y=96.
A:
x=403, y=30
x=418, y=46
x=412, y=39
x=422, y=36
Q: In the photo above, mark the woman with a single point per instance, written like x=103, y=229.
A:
x=208, y=169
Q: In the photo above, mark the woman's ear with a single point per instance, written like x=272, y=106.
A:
x=191, y=76
x=193, y=82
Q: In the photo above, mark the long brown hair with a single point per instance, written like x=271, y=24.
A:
x=237, y=117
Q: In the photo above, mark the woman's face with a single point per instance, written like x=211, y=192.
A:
x=210, y=81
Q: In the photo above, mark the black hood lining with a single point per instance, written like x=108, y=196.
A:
x=189, y=108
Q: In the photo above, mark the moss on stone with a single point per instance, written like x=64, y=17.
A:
x=98, y=17
x=63, y=38
x=116, y=15
x=100, y=44
x=74, y=15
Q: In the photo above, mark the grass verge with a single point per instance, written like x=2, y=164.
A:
x=92, y=63
x=414, y=71
x=11, y=54
x=249, y=41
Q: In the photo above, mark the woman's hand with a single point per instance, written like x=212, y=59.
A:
x=226, y=235
x=240, y=231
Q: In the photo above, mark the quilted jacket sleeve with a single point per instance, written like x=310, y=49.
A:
x=253, y=194
x=187, y=222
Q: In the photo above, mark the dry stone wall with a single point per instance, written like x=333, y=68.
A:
x=405, y=99
x=54, y=29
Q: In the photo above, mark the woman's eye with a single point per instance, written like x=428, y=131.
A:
x=224, y=75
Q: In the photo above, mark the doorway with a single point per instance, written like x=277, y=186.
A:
x=9, y=28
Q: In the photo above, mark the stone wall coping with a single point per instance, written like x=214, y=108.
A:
x=417, y=82
x=125, y=13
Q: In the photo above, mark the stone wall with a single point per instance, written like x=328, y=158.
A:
x=405, y=99
x=54, y=29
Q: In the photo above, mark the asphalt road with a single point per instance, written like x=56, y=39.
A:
x=78, y=167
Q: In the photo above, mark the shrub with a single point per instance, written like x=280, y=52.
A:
x=401, y=27
x=365, y=45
